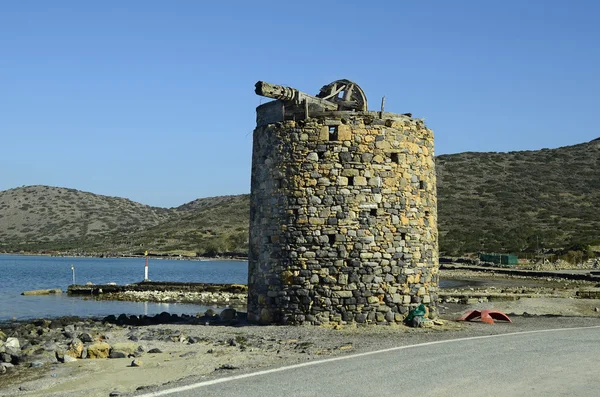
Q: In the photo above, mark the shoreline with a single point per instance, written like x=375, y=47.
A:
x=150, y=256
x=173, y=348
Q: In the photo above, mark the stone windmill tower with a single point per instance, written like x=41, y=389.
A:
x=343, y=222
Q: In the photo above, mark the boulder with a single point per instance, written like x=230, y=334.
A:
x=117, y=354
x=6, y=366
x=69, y=359
x=75, y=348
x=12, y=342
x=2, y=336
x=85, y=337
x=98, y=350
x=228, y=315
x=124, y=347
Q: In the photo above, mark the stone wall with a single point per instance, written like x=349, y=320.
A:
x=343, y=223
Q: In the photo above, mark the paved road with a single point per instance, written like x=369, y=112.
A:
x=537, y=363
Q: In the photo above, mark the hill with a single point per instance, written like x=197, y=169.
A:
x=504, y=202
x=43, y=217
x=519, y=201
x=207, y=227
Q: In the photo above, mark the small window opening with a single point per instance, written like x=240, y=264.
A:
x=333, y=133
x=321, y=155
x=395, y=158
x=350, y=181
x=426, y=213
x=341, y=94
x=421, y=185
x=331, y=238
x=373, y=211
x=403, y=236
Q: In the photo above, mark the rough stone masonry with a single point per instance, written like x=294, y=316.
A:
x=343, y=223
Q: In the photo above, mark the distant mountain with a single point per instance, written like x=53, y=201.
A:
x=505, y=202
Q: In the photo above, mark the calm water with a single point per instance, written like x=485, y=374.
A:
x=22, y=273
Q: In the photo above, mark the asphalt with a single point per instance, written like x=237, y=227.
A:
x=538, y=362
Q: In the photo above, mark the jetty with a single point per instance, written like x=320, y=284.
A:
x=159, y=286
x=230, y=295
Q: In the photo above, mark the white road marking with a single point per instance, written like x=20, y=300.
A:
x=348, y=357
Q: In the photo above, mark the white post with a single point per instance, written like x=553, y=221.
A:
x=73, y=271
x=146, y=268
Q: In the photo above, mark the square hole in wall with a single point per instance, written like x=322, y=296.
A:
x=395, y=158
x=333, y=133
x=426, y=213
x=331, y=238
x=422, y=185
x=350, y=181
x=403, y=236
x=373, y=211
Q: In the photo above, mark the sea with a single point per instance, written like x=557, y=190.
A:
x=20, y=273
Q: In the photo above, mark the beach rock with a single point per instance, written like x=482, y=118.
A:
x=75, y=348
x=2, y=336
x=69, y=359
x=122, y=319
x=98, y=350
x=210, y=313
x=5, y=357
x=42, y=292
x=227, y=366
x=228, y=315
x=117, y=354
x=42, y=323
x=2, y=369
x=12, y=342
x=85, y=337
x=36, y=364
x=136, y=363
x=124, y=347
x=60, y=355
x=154, y=351
x=110, y=319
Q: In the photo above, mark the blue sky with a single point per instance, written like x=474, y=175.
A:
x=154, y=100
